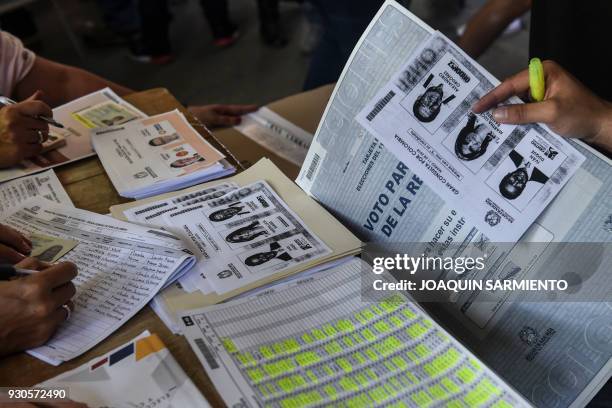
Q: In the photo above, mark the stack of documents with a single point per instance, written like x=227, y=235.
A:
x=44, y=184
x=158, y=154
x=323, y=341
x=251, y=230
x=121, y=267
x=136, y=374
x=98, y=109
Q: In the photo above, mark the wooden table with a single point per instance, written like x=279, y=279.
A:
x=90, y=188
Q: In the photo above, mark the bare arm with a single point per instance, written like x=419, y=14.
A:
x=62, y=83
x=489, y=22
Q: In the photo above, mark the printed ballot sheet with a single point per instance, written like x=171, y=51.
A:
x=240, y=237
x=151, y=213
x=276, y=134
x=316, y=342
x=141, y=373
x=45, y=184
x=157, y=154
x=121, y=267
x=99, y=109
x=501, y=177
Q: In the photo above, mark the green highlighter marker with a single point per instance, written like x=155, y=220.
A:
x=537, y=84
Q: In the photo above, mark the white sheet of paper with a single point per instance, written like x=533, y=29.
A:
x=121, y=267
x=44, y=184
x=242, y=237
x=276, y=134
x=502, y=177
x=132, y=375
x=316, y=341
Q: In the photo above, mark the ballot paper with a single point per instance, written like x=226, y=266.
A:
x=121, y=267
x=45, y=184
x=242, y=237
x=151, y=213
x=316, y=220
x=314, y=341
x=141, y=373
x=100, y=108
x=501, y=177
x=349, y=170
x=276, y=134
x=156, y=155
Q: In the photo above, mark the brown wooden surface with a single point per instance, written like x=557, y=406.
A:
x=90, y=188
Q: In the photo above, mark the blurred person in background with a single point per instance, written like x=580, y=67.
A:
x=145, y=26
x=40, y=84
x=342, y=23
x=569, y=32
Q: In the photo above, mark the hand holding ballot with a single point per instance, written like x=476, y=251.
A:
x=34, y=306
x=21, y=133
x=569, y=108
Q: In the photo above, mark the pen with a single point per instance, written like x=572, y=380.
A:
x=8, y=101
x=9, y=271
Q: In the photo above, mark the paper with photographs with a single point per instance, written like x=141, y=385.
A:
x=242, y=237
x=50, y=249
x=74, y=142
x=153, y=150
x=151, y=213
x=44, y=184
x=501, y=176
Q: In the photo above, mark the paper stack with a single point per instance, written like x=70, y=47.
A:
x=140, y=373
x=157, y=154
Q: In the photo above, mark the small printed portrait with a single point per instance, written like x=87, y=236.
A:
x=116, y=120
x=246, y=234
x=261, y=258
x=163, y=140
x=473, y=140
x=188, y=161
x=513, y=183
x=227, y=213
x=428, y=105
x=50, y=253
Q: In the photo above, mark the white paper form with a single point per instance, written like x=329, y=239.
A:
x=141, y=373
x=502, y=177
x=242, y=237
x=316, y=342
x=121, y=267
x=44, y=184
x=98, y=109
x=276, y=134
x=151, y=213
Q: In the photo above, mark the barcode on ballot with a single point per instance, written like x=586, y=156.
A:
x=313, y=166
x=206, y=353
x=380, y=105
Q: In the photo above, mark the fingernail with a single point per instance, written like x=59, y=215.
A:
x=500, y=114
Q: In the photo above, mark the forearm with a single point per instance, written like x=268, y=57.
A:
x=489, y=22
x=62, y=83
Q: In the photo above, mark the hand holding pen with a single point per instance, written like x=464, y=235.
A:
x=36, y=299
x=23, y=128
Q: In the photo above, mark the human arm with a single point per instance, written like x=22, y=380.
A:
x=62, y=83
x=487, y=24
x=569, y=108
